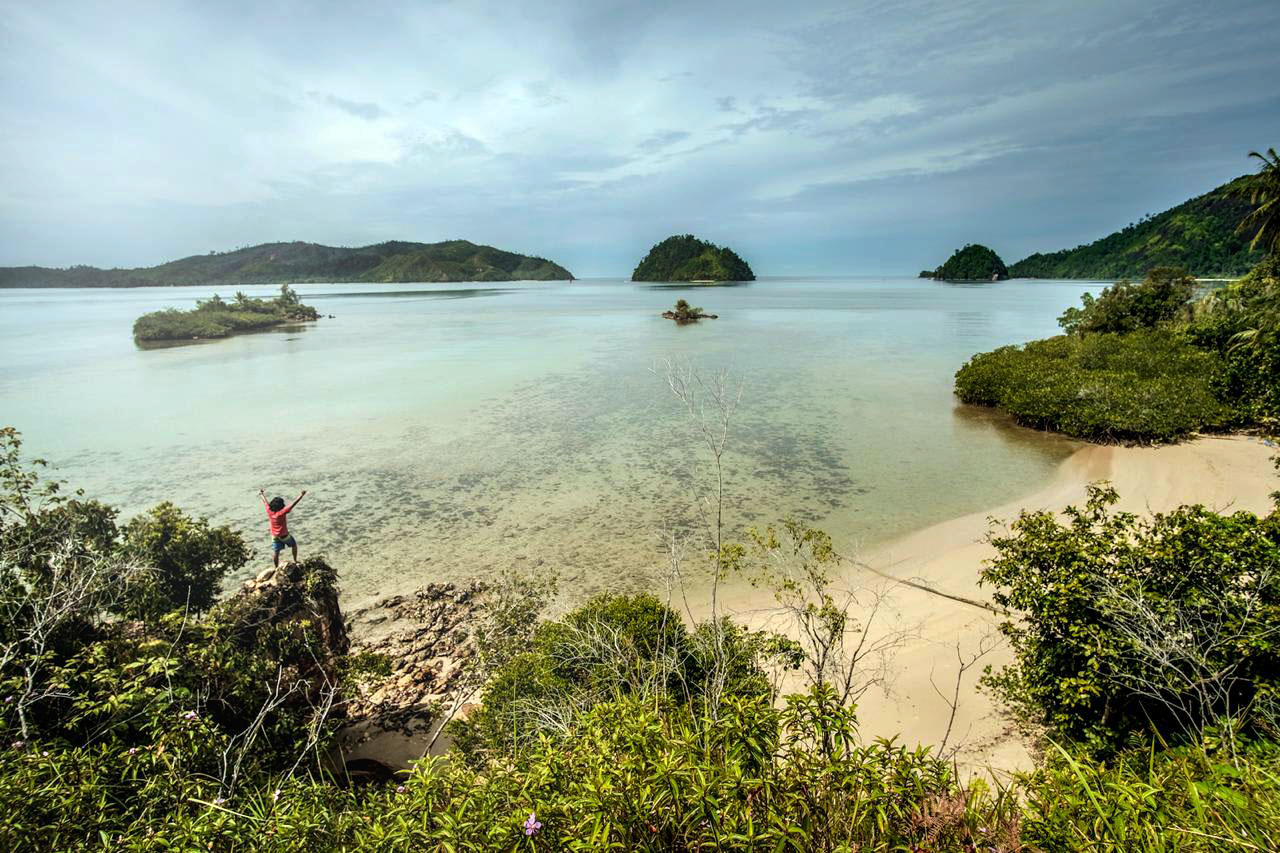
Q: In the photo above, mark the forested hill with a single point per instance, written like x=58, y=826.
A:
x=1198, y=235
x=686, y=258
x=278, y=263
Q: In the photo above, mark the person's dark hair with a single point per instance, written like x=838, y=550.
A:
x=276, y=504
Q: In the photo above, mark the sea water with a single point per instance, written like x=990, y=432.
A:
x=451, y=431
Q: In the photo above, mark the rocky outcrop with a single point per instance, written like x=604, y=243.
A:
x=293, y=606
x=417, y=646
x=400, y=659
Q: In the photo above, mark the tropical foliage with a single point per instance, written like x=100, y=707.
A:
x=1201, y=235
x=1148, y=386
x=217, y=318
x=686, y=258
x=1148, y=362
x=1125, y=307
x=619, y=726
x=271, y=263
x=1127, y=624
x=972, y=263
x=1263, y=191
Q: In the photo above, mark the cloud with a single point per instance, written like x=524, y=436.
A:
x=828, y=136
x=662, y=140
x=360, y=109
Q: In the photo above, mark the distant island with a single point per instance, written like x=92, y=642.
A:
x=217, y=318
x=686, y=258
x=1199, y=235
x=972, y=263
x=298, y=262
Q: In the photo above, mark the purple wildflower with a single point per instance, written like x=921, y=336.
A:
x=19, y=744
x=8, y=699
x=45, y=753
x=276, y=796
x=400, y=789
x=219, y=801
x=189, y=715
x=133, y=750
x=532, y=825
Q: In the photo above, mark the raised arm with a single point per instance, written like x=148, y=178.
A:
x=262, y=494
x=298, y=498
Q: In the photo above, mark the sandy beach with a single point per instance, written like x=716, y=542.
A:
x=1223, y=473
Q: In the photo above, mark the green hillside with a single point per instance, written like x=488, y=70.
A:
x=686, y=258
x=1198, y=235
x=972, y=263
x=275, y=263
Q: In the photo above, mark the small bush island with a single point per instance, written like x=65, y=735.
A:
x=217, y=318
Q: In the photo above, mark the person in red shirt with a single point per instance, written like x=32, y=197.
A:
x=280, y=537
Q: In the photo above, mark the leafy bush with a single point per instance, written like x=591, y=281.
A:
x=1126, y=307
x=216, y=318
x=1146, y=386
x=610, y=647
x=164, y=697
x=1151, y=798
x=1121, y=623
x=188, y=559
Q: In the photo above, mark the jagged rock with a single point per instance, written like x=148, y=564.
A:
x=302, y=599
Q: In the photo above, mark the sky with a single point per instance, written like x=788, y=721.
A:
x=813, y=138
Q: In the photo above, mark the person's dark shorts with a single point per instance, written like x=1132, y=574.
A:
x=279, y=545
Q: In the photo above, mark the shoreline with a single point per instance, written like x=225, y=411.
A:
x=931, y=577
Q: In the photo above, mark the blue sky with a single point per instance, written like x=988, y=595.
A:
x=824, y=138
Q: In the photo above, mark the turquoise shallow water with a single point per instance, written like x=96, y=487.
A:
x=449, y=431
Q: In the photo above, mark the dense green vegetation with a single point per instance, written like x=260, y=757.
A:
x=139, y=712
x=1126, y=307
x=1130, y=625
x=217, y=318
x=1149, y=362
x=686, y=258
x=1149, y=386
x=1201, y=235
x=1145, y=363
x=271, y=263
x=972, y=263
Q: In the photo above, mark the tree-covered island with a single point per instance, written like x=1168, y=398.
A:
x=297, y=262
x=686, y=258
x=218, y=318
x=972, y=263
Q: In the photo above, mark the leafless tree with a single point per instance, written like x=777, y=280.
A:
x=711, y=400
x=1183, y=658
x=987, y=643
